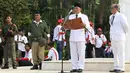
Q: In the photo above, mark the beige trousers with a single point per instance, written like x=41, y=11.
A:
x=37, y=53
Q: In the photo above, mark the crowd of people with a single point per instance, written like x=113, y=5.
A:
x=17, y=45
x=96, y=44
x=24, y=52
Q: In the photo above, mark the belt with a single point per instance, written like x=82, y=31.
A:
x=36, y=38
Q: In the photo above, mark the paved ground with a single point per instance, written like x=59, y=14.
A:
x=26, y=70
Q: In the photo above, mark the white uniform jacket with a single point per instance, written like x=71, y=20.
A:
x=79, y=34
x=119, y=28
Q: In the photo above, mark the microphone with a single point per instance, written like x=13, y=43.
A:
x=70, y=11
x=72, y=7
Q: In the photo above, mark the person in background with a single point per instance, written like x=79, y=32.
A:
x=100, y=42
x=59, y=37
x=27, y=60
x=118, y=31
x=108, y=51
x=1, y=48
x=21, y=40
x=9, y=31
x=90, y=41
x=53, y=54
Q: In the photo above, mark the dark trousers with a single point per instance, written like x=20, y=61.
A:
x=89, y=50
x=22, y=53
x=59, y=48
x=25, y=63
x=108, y=54
x=99, y=52
x=1, y=55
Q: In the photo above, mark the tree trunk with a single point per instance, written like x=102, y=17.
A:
x=101, y=13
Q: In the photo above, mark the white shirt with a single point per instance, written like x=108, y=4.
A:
x=37, y=22
x=119, y=29
x=21, y=46
x=108, y=49
x=28, y=54
x=56, y=34
x=90, y=35
x=53, y=54
x=100, y=40
x=79, y=34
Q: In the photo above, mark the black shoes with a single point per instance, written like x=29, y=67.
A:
x=35, y=67
x=5, y=67
x=14, y=67
x=80, y=70
x=40, y=66
x=76, y=70
x=117, y=71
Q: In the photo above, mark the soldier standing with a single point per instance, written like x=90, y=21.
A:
x=9, y=30
x=37, y=31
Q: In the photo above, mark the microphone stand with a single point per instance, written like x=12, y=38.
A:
x=63, y=30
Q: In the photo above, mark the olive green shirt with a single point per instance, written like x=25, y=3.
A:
x=9, y=36
x=12, y=27
x=38, y=30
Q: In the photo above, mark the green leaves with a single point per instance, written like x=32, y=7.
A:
x=17, y=8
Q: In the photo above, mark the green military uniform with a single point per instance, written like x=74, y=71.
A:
x=9, y=49
x=38, y=31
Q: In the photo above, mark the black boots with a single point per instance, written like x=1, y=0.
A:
x=35, y=67
x=5, y=66
x=40, y=66
x=14, y=67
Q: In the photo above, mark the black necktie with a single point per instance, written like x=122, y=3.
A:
x=113, y=17
x=76, y=15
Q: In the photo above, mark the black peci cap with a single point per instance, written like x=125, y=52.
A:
x=51, y=44
x=20, y=30
x=37, y=12
x=77, y=5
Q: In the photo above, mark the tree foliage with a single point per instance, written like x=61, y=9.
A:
x=17, y=8
x=98, y=11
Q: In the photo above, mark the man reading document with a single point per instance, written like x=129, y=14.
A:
x=77, y=40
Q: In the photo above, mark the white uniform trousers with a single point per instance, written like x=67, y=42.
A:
x=119, y=54
x=77, y=54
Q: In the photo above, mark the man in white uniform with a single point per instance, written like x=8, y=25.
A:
x=118, y=32
x=77, y=41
